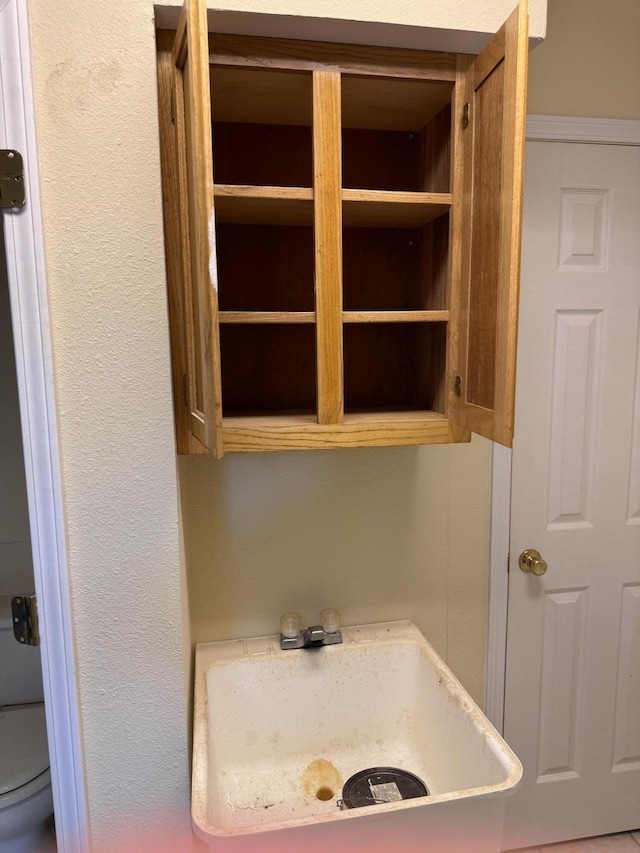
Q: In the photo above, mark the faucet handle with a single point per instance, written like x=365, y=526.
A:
x=330, y=620
x=290, y=625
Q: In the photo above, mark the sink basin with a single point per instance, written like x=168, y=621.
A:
x=278, y=733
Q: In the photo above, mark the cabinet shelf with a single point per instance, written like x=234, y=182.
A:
x=396, y=269
x=295, y=317
x=243, y=204
x=395, y=316
x=359, y=429
x=396, y=133
x=268, y=369
x=394, y=367
x=275, y=275
x=385, y=209
x=252, y=205
x=267, y=111
x=239, y=317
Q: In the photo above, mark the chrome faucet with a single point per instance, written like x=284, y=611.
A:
x=292, y=636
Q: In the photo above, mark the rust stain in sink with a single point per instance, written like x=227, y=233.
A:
x=321, y=780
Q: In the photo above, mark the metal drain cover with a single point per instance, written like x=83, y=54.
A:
x=380, y=785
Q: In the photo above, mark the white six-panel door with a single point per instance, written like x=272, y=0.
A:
x=572, y=704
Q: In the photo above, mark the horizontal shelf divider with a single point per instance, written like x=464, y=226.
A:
x=267, y=317
x=293, y=317
x=238, y=204
x=250, y=205
x=395, y=316
x=373, y=429
x=261, y=192
x=385, y=209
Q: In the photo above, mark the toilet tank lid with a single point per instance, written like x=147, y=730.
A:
x=23, y=745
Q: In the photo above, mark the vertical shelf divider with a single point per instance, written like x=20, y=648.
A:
x=327, y=176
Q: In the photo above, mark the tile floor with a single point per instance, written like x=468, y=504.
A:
x=626, y=842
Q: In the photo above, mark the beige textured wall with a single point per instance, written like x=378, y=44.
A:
x=96, y=116
x=588, y=66
x=381, y=534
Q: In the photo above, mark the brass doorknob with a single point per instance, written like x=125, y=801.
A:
x=531, y=561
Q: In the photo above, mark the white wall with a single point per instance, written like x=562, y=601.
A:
x=396, y=532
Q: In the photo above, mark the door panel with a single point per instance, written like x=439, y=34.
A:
x=493, y=145
x=572, y=702
x=195, y=185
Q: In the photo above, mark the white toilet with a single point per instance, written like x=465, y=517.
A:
x=25, y=779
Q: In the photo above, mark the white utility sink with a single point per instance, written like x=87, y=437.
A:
x=278, y=733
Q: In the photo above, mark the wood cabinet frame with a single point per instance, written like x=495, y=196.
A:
x=486, y=155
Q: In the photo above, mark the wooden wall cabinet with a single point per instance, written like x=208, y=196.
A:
x=343, y=238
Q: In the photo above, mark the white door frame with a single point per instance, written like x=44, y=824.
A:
x=539, y=129
x=30, y=318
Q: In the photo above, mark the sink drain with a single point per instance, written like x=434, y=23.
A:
x=321, y=780
x=380, y=785
x=324, y=793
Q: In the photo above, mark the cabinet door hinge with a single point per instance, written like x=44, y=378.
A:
x=11, y=179
x=457, y=386
x=465, y=116
x=173, y=103
x=24, y=612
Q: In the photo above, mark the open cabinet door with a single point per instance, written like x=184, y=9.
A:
x=203, y=389
x=493, y=134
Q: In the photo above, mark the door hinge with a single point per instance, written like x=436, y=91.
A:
x=465, y=116
x=24, y=611
x=11, y=179
x=457, y=386
x=173, y=103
